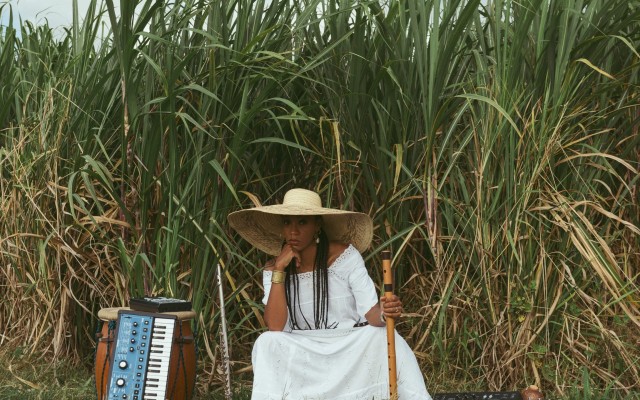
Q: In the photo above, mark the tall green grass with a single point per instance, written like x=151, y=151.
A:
x=495, y=144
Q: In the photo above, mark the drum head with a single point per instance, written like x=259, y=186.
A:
x=111, y=314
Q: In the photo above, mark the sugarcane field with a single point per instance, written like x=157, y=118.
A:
x=320, y=199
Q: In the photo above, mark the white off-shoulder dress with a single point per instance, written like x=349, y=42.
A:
x=345, y=363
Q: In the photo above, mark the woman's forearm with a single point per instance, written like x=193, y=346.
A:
x=374, y=316
x=275, y=311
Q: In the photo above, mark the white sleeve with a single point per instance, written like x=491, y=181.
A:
x=362, y=286
x=266, y=283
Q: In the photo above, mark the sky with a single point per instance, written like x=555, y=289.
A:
x=56, y=13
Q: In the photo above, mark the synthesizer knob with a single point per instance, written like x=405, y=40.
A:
x=123, y=364
x=120, y=382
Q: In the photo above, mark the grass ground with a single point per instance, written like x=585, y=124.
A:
x=27, y=378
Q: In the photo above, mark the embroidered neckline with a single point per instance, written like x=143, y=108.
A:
x=347, y=252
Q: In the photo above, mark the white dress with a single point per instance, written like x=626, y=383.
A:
x=345, y=363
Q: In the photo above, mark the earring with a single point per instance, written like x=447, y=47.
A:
x=317, y=236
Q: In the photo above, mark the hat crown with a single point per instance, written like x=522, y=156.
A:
x=302, y=198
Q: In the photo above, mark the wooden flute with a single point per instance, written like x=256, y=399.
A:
x=391, y=338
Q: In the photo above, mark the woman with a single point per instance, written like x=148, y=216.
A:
x=321, y=307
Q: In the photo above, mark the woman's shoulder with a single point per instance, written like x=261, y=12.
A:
x=339, y=252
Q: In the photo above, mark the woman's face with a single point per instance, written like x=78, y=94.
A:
x=300, y=230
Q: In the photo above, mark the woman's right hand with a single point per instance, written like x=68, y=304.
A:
x=284, y=258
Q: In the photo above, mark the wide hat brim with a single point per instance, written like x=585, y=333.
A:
x=262, y=226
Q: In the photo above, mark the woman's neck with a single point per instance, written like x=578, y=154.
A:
x=308, y=259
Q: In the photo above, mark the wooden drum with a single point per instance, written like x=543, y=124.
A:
x=182, y=364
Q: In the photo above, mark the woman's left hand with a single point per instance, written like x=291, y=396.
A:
x=391, y=307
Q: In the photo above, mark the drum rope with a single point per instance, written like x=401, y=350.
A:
x=95, y=354
x=181, y=362
x=195, y=347
x=184, y=369
x=195, y=336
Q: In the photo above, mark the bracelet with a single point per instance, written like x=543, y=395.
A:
x=383, y=319
x=278, y=277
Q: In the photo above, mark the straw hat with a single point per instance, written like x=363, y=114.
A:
x=262, y=226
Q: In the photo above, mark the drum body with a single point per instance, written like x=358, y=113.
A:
x=182, y=365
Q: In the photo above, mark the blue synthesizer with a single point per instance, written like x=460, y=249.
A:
x=140, y=363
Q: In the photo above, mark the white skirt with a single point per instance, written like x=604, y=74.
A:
x=336, y=364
